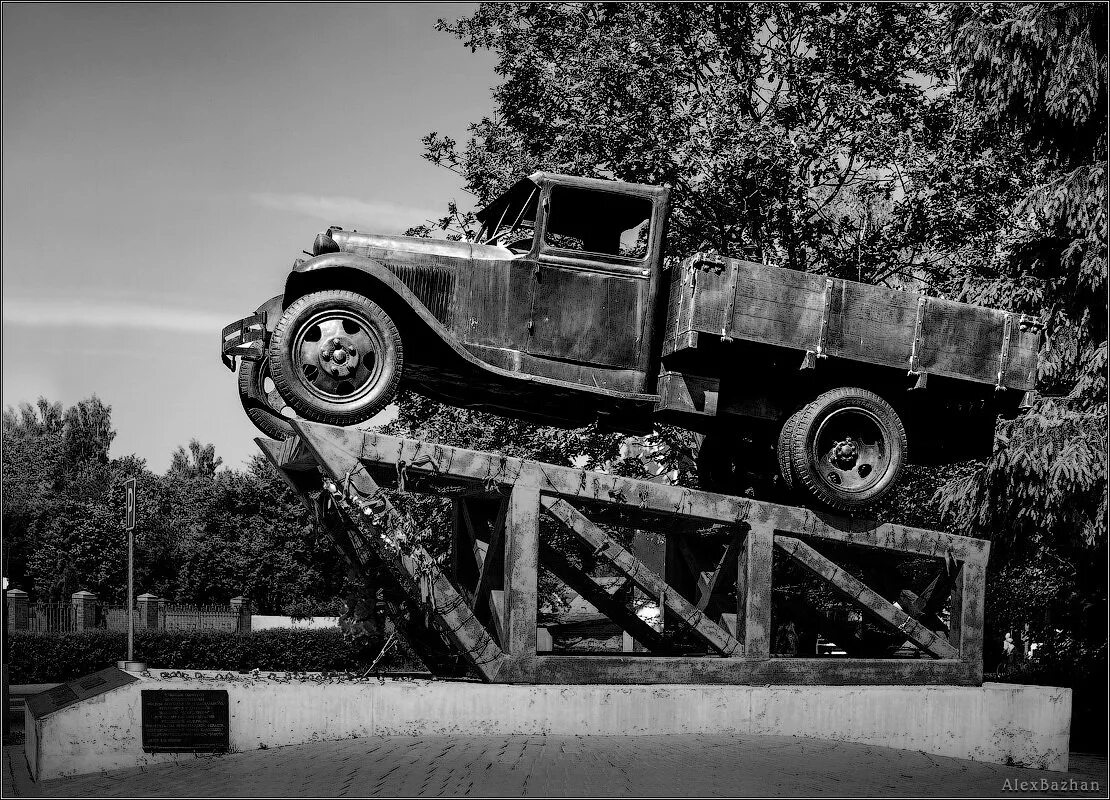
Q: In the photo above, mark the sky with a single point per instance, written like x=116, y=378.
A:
x=163, y=165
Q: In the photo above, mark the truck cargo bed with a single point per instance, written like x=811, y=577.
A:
x=742, y=300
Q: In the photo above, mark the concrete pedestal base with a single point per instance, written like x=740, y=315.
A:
x=1003, y=723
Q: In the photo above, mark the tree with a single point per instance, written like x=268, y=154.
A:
x=64, y=499
x=32, y=439
x=1038, y=72
x=243, y=533
x=199, y=462
x=810, y=135
x=782, y=127
x=201, y=535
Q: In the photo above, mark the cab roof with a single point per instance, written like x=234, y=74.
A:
x=520, y=191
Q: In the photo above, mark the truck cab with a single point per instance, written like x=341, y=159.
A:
x=581, y=289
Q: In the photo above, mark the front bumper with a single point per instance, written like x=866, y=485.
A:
x=245, y=338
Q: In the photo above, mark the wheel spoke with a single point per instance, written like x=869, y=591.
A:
x=362, y=342
x=307, y=353
x=871, y=454
x=324, y=381
x=275, y=401
x=330, y=329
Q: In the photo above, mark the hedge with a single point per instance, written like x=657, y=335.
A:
x=56, y=657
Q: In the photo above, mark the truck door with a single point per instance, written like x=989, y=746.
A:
x=591, y=281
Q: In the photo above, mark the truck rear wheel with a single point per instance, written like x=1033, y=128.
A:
x=847, y=448
x=336, y=357
x=261, y=400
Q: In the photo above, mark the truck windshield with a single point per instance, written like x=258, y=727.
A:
x=514, y=225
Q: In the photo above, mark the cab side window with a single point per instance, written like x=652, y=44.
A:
x=597, y=222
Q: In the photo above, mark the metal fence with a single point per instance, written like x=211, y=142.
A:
x=175, y=617
x=199, y=618
x=51, y=618
x=114, y=618
x=85, y=612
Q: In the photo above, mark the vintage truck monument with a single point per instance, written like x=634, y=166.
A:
x=564, y=311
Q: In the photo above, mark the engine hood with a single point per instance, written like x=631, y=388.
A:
x=374, y=245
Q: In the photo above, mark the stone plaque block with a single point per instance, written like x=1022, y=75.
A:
x=67, y=694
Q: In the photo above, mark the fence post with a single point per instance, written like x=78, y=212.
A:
x=242, y=606
x=19, y=610
x=150, y=611
x=84, y=610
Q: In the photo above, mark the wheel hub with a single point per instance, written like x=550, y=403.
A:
x=844, y=454
x=338, y=356
x=850, y=451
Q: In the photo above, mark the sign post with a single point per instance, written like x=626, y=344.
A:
x=129, y=524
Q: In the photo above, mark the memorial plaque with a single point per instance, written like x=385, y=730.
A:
x=67, y=694
x=91, y=682
x=185, y=720
x=62, y=696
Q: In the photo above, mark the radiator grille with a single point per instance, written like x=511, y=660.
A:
x=433, y=286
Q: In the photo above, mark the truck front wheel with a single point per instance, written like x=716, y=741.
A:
x=336, y=357
x=847, y=448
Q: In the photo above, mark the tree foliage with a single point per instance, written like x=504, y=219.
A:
x=203, y=535
x=1038, y=72
x=200, y=461
x=781, y=127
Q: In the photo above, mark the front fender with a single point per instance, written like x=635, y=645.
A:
x=376, y=281
x=271, y=311
x=372, y=277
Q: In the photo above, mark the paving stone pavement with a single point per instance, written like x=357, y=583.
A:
x=582, y=766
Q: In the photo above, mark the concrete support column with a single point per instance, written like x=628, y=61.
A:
x=243, y=606
x=19, y=610
x=150, y=611
x=84, y=610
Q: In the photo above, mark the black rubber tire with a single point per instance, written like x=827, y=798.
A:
x=252, y=394
x=290, y=379
x=782, y=449
x=805, y=459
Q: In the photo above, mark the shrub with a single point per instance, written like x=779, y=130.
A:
x=51, y=657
